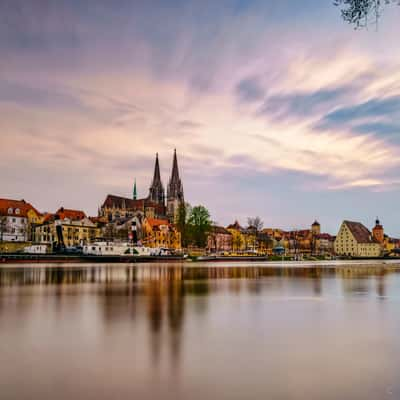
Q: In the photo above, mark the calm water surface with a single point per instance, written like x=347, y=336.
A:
x=199, y=332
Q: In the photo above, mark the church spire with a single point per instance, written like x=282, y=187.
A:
x=174, y=190
x=157, y=193
x=157, y=175
x=134, y=191
x=175, y=171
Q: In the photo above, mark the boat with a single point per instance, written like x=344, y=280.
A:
x=116, y=249
x=35, y=249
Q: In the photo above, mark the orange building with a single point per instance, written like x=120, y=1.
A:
x=160, y=233
x=378, y=232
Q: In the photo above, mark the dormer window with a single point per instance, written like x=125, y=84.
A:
x=17, y=211
x=10, y=210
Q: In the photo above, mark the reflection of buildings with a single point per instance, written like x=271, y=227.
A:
x=156, y=296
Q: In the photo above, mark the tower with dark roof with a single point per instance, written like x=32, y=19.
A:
x=316, y=228
x=378, y=232
x=174, y=191
x=156, y=192
x=134, y=191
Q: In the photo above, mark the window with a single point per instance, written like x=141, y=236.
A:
x=17, y=211
x=10, y=210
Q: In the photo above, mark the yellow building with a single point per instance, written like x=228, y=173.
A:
x=160, y=233
x=355, y=240
x=238, y=238
x=74, y=232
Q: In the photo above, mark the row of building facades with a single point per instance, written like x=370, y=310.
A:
x=151, y=221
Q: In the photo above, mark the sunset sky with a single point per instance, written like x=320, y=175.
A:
x=276, y=108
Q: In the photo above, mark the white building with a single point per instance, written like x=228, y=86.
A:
x=13, y=221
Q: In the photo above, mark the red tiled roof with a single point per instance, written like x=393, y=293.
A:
x=153, y=222
x=70, y=214
x=7, y=205
x=360, y=232
x=48, y=217
x=326, y=236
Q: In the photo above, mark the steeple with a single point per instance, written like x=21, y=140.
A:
x=157, y=175
x=175, y=187
x=174, y=191
x=134, y=191
x=157, y=193
x=175, y=171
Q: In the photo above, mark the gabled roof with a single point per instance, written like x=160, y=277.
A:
x=120, y=202
x=11, y=205
x=123, y=202
x=360, y=232
x=70, y=214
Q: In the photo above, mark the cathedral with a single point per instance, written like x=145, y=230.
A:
x=155, y=205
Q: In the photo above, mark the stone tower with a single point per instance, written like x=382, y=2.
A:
x=378, y=232
x=174, y=191
x=156, y=192
x=316, y=228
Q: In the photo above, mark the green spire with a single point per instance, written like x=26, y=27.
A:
x=134, y=191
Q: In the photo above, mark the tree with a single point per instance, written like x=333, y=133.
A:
x=184, y=211
x=362, y=13
x=237, y=240
x=3, y=226
x=255, y=226
x=256, y=223
x=199, y=223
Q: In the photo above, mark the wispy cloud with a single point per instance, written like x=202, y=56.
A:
x=93, y=93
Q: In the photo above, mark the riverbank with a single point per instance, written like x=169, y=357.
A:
x=80, y=258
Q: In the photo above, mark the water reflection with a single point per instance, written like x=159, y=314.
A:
x=164, y=317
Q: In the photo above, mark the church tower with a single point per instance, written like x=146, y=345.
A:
x=156, y=192
x=134, y=191
x=378, y=232
x=174, y=191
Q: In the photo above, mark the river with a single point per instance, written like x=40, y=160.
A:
x=200, y=331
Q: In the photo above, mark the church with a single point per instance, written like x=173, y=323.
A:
x=155, y=205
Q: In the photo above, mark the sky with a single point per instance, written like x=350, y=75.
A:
x=277, y=109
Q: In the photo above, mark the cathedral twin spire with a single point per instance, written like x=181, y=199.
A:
x=175, y=187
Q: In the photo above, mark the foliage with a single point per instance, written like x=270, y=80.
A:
x=199, y=225
x=3, y=226
x=237, y=240
x=255, y=223
x=184, y=211
x=362, y=13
